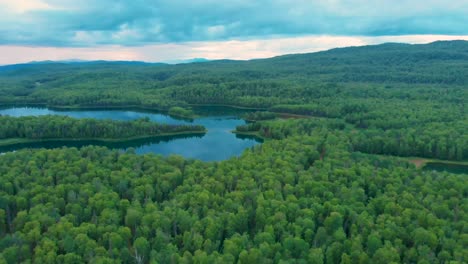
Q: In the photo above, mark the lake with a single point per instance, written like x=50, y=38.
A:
x=217, y=144
x=448, y=167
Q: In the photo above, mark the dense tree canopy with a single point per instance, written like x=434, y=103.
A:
x=314, y=192
x=286, y=201
x=447, y=140
x=63, y=127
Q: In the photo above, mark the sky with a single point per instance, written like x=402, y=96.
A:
x=173, y=30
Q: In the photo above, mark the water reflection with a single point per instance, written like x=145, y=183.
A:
x=217, y=144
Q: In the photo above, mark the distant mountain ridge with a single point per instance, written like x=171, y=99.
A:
x=78, y=61
x=194, y=60
x=75, y=62
x=441, y=46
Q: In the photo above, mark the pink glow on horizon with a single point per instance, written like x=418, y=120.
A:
x=232, y=49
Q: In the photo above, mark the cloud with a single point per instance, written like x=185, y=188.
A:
x=82, y=23
x=233, y=49
x=23, y=6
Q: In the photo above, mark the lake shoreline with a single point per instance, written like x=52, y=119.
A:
x=148, y=109
x=216, y=143
x=119, y=107
x=14, y=141
x=249, y=134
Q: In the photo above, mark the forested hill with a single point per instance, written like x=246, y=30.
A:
x=438, y=62
x=386, y=55
x=353, y=83
x=440, y=50
x=329, y=80
x=372, y=58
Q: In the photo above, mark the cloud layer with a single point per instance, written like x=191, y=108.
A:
x=84, y=23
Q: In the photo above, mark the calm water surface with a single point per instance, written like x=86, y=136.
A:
x=452, y=168
x=217, y=144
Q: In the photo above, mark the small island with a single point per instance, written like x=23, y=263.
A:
x=181, y=112
x=32, y=129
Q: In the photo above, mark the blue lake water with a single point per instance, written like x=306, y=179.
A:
x=217, y=144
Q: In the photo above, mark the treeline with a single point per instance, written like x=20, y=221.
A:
x=379, y=113
x=285, y=201
x=63, y=127
x=447, y=141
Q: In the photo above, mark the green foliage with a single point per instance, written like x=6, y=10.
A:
x=406, y=100
x=305, y=196
x=63, y=127
x=324, y=84
x=447, y=141
x=181, y=112
x=282, y=201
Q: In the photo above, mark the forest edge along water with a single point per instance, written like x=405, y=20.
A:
x=457, y=167
x=427, y=164
x=446, y=166
x=221, y=140
x=218, y=143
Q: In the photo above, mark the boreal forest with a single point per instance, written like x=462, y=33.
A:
x=340, y=176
